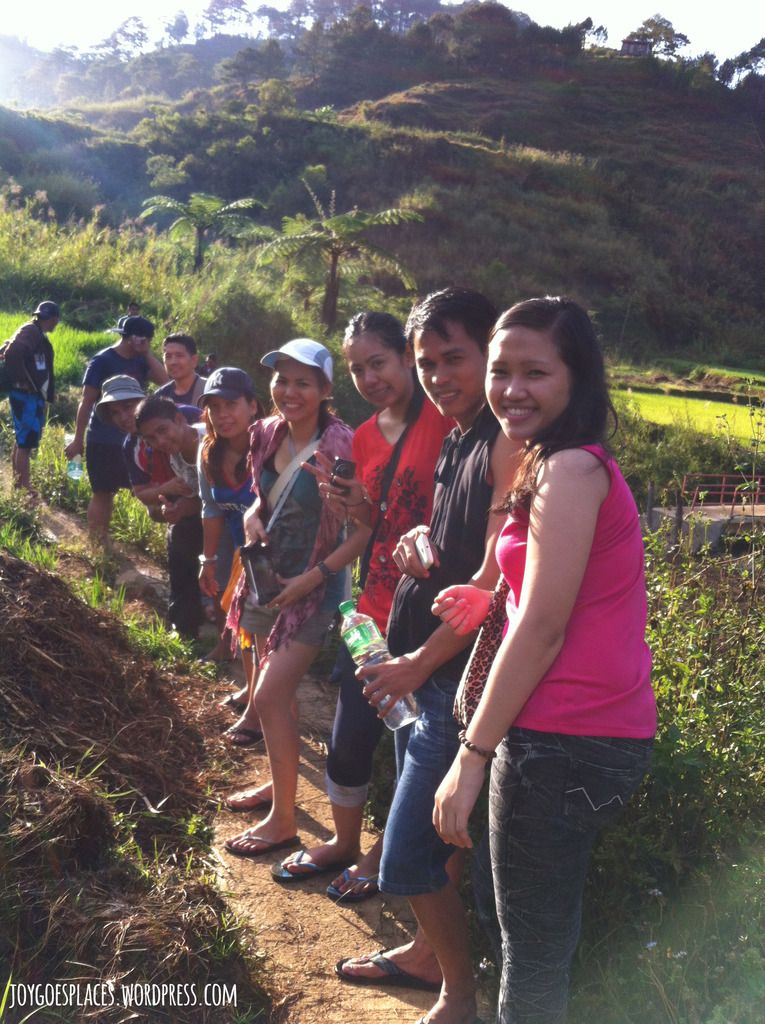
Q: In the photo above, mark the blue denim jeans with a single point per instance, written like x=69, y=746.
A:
x=550, y=795
x=414, y=855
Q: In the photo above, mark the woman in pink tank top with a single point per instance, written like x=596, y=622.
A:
x=567, y=715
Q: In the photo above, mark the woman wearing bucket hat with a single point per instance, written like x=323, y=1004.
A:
x=304, y=539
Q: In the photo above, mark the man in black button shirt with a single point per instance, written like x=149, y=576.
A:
x=449, y=332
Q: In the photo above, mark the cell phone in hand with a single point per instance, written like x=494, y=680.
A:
x=343, y=469
x=424, y=550
x=261, y=577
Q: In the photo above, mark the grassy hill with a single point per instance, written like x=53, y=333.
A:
x=634, y=185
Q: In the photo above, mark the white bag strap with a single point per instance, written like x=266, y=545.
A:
x=286, y=481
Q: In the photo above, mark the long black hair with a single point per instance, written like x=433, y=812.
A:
x=390, y=331
x=589, y=413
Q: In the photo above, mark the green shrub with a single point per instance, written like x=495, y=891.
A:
x=675, y=916
x=66, y=194
x=91, y=270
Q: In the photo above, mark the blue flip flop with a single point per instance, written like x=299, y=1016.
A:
x=281, y=873
x=350, y=896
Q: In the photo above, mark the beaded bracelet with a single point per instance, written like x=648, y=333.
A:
x=486, y=754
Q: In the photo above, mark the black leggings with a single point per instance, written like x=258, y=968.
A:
x=356, y=730
x=184, y=546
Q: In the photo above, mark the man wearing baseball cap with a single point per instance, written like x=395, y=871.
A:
x=29, y=365
x=131, y=356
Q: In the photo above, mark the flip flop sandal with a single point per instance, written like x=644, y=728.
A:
x=264, y=845
x=233, y=703
x=245, y=804
x=424, y=1020
x=241, y=736
x=392, y=974
x=349, y=896
x=281, y=873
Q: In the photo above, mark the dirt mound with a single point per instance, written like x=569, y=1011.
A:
x=72, y=689
x=102, y=787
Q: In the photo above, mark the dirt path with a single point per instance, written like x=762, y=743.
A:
x=300, y=932
x=299, y=929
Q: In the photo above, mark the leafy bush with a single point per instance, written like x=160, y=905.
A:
x=67, y=194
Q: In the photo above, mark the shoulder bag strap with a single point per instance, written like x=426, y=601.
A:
x=286, y=481
x=390, y=470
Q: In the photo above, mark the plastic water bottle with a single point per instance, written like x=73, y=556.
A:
x=74, y=468
x=367, y=646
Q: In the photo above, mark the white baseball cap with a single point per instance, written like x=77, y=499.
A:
x=302, y=350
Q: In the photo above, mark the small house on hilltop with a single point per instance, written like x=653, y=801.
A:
x=635, y=46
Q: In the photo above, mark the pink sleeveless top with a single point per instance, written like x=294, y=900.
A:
x=600, y=681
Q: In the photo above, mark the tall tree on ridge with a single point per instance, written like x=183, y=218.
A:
x=202, y=216
x=336, y=240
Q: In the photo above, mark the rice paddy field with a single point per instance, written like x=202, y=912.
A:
x=72, y=348
x=700, y=414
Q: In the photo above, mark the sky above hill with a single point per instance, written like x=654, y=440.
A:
x=725, y=30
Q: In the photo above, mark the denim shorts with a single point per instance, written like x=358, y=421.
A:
x=414, y=855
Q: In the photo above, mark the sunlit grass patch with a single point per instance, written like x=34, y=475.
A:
x=72, y=348
x=20, y=533
x=698, y=413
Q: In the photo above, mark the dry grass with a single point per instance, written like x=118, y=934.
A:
x=104, y=865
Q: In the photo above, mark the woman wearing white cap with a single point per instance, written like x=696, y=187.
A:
x=309, y=552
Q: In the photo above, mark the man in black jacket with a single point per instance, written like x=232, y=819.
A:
x=29, y=364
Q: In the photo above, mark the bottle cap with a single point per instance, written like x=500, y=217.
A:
x=346, y=606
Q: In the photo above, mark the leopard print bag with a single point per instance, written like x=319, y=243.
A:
x=481, y=658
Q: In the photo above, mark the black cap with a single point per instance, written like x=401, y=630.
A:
x=228, y=382
x=137, y=325
x=46, y=310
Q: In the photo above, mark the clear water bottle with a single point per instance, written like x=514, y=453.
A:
x=74, y=468
x=367, y=646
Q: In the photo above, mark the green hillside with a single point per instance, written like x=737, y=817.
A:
x=633, y=184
